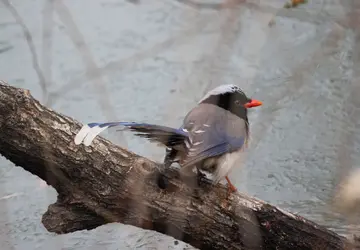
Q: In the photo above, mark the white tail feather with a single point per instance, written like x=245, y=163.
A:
x=92, y=134
x=81, y=134
x=87, y=134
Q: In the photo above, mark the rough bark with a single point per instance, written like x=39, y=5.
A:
x=104, y=183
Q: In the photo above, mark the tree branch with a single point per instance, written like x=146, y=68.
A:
x=104, y=183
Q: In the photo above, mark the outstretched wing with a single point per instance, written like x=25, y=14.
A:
x=161, y=134
x=212, y=131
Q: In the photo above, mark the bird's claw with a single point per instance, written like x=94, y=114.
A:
x=231, y=188
x=200, y=177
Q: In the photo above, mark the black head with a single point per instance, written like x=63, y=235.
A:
x=231, y=98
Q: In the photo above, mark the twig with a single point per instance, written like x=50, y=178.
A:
x=213, y=6
x=48, y=23
x=29, y=40
x=130, y=61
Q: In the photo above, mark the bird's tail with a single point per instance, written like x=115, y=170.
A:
x=156, y=133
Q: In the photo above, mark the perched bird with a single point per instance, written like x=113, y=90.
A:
x=210, y=139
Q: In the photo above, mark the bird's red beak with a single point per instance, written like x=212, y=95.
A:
x=253, y=103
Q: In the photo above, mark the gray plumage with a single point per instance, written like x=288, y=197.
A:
x=208, y=126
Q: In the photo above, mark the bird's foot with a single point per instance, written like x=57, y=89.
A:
x=162, y=180
x=230, y=187
x=201, y=177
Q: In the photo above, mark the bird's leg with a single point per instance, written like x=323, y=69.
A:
x=169, y=157
x=231, y=187
x=200, y=175
x=162, y=180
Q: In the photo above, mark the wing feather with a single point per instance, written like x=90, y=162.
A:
x=161, y=134
x=212, y=131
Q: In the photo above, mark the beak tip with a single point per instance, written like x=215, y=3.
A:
x=254, y=103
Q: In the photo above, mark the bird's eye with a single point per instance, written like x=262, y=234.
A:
x=237, y=102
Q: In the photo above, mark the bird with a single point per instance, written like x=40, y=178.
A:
x=210, y=140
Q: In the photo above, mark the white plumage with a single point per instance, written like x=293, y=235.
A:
x=80, y=136
x=87, y=134
x=226, y=88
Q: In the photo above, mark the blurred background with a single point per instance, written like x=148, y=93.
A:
x=153, y=60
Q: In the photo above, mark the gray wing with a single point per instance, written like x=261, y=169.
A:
x=212, y=131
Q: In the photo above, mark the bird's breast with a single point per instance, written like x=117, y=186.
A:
x=216, y=168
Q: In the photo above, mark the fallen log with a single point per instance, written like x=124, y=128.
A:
x=105, y=183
